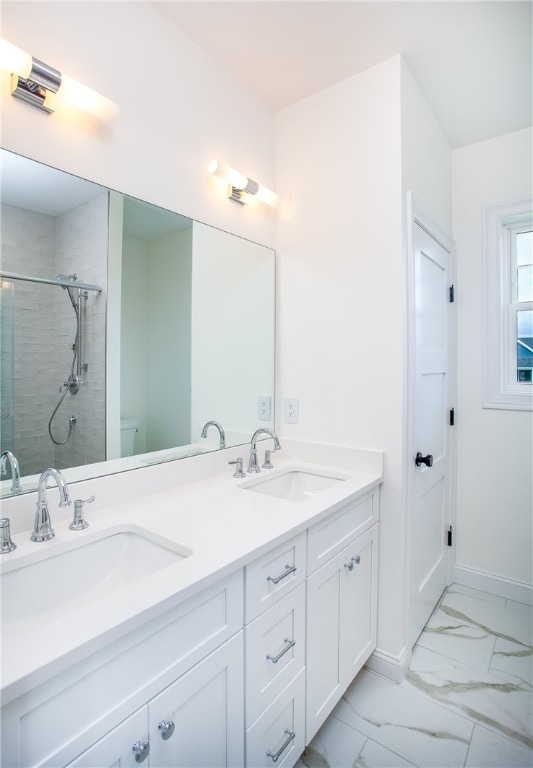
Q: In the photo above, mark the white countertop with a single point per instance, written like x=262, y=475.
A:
x=224, y=525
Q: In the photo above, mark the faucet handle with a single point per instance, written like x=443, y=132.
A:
x=6, y=544
x=267, y=464
x=238, y=471
x=79, y=523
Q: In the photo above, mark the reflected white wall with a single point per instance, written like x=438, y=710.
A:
x=232, y=321
x=156, y=339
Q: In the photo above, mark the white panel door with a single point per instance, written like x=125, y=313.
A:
x=431, y=403
x=197, y=722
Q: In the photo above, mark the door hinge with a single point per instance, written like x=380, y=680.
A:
x=451, y=421
x=450, y=536
x=452, y=294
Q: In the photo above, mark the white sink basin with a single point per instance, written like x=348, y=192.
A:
x=294, y=484
x=74, y=575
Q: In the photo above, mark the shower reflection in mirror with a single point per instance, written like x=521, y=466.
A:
x=54, y=265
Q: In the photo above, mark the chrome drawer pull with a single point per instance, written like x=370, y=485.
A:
x=141, y=750
x=275, y=757
x=277, y=579
x=275, y=659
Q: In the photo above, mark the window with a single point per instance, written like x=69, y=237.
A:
x=521, y=305
x=508, y=307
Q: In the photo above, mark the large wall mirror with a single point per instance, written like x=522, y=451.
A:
x=125, y=329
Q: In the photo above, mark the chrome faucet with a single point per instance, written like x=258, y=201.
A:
x=253, y=464
x=220, y=432
x=42, y=529
x=8, y=457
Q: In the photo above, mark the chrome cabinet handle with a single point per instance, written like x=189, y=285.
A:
x=141, y=750
x=356, y=560
x=290, y=644
x=276, y=755
x=166, y=729
x=277, y=579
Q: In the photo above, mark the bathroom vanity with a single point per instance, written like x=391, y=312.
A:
x=233, y=616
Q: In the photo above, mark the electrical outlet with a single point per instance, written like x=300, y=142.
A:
x=264, y=408
x=290, y=410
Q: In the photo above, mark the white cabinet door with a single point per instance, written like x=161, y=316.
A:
x=205, y=706
x=118, y=748
x=358, y=620
x=341, y=625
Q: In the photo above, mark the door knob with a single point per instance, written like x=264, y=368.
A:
x=427, y=460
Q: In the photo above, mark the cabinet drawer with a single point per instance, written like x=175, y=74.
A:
x=270, y=741
x=326, y=538
x=274, y=574
x=57, y=720
x=274, y=651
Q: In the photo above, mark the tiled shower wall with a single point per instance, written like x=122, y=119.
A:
x=45, y=328
x=81, y=248
x=28, y=247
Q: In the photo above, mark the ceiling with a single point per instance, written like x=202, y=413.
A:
x=472, y=60
x=40, y=188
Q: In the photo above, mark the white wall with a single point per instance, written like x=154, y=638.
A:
x=179, y=110
x=426, y=155
x=340, y=277
x=494, y=447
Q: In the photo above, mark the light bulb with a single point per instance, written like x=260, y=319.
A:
x=266, y=196
x=14, y=59
x=81, y=96
x=227, y=174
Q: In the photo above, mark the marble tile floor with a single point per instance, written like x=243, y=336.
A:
x=466, y=701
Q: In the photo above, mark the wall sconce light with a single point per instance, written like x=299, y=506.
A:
x=37, y=83
x=240, y=186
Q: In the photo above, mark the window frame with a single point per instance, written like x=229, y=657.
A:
x=500, y=307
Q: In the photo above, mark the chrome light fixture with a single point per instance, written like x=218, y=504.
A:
x=240, y=187
x=38, y=83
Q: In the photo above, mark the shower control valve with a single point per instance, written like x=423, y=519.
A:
x=79, y=523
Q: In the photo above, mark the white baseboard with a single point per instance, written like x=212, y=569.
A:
x=496, y=585
x=389, y=666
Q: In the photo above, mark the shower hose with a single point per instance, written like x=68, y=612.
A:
x=72, y=420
